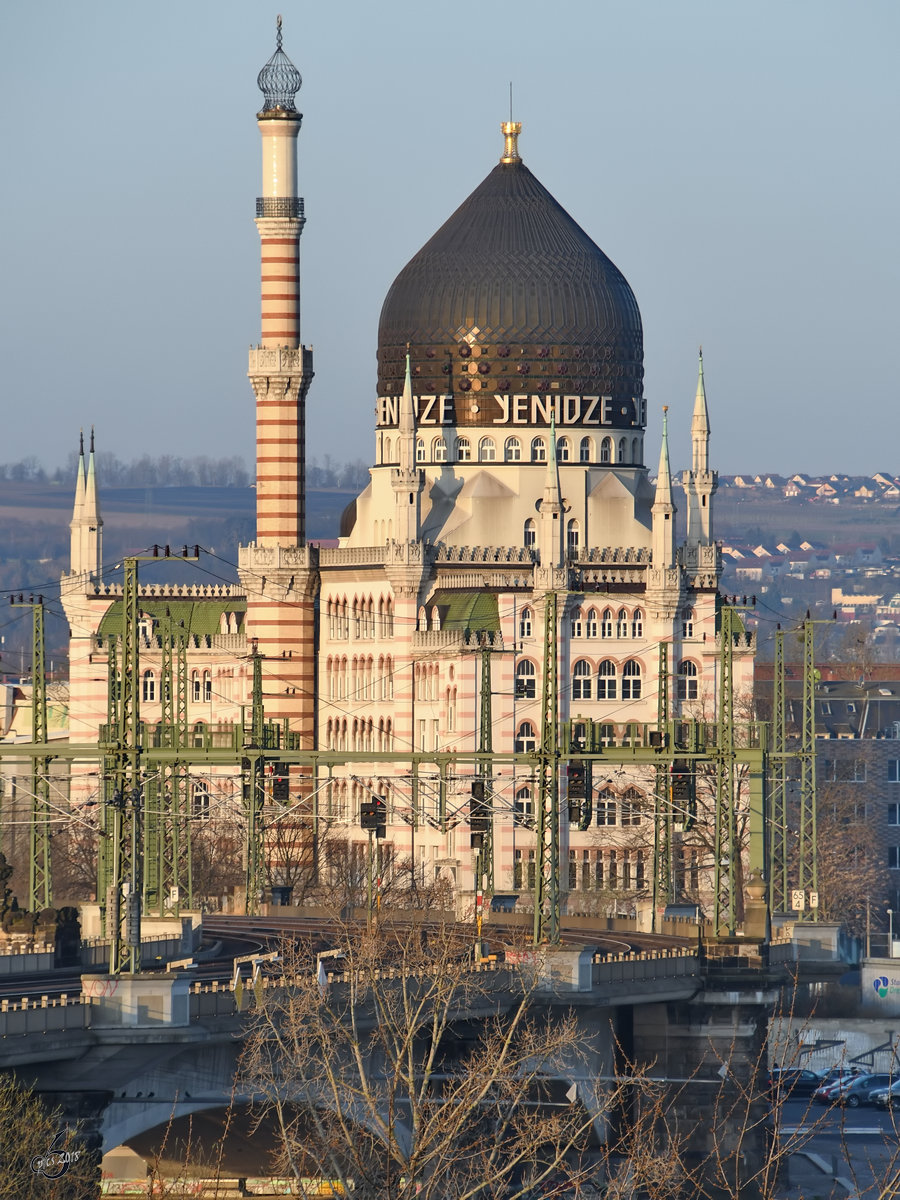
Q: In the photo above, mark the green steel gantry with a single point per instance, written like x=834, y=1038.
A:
x=40, y=883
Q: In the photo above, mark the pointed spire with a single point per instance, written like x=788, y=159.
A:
x=700, y=425
x=91, y=512
x=551, y=483
x=79, y=479
x=664, y=477
x=407, y=422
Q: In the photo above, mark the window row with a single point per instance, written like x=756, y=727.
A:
x=623, y=810
x=609, y=683
x=515, y=449
x=359, y=735
x=359, y=678
x=361, y=616
x=628, y=734
x=201, y=686
x=622, y=625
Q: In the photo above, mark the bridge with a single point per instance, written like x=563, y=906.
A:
x=129, y=1054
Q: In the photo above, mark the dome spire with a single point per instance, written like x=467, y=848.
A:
x=511, y=130
x=279, y=80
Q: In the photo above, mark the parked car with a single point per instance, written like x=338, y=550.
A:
x=832, y=1082
x=795, y=1081
x=855, y=1092
x=886, y=1097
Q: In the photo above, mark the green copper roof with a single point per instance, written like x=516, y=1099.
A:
x=201, y=618
x=468, y=611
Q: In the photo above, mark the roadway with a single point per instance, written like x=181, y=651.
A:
x=859, y=1148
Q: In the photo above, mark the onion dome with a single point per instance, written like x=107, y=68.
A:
x=279, y=81
x=512, y=296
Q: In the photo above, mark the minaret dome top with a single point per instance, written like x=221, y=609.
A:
x=511, y=131
x=279, y=81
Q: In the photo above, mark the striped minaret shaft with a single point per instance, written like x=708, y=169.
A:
x=276, y=570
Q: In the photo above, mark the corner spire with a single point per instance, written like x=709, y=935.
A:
x=663, y=510
x=664, y=476
x=551, y=509
x=700, y=424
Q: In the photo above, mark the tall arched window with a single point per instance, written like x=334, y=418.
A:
x=687, y=623
x=148, y=690
x=573, y=537
x=420, y=450
x=463, y=450
x=487, y=451
x=524, y=810
x=631, y=680
x=525, y=623
x=606, y=450
x=577, y=625
x=526, y=681
x=530, y=533
x=637, y=623
x=538, y=450
x=606, y=807
x=622, y=450
x=196, y=692
x=439, y=450
x=606, y=680
x=590, y=625
x=207, y=686
x=581, y=680
x=606, y=623
x=563, y=450
x=386, y=450
x=688, y=688
x=526, y=739
x=586, y=449
x=200, y=800
x=622, y=624
x=512, y=451
x=635, y=450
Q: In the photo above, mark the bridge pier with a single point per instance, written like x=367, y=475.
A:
x=709, y=1051
x=82, y=1113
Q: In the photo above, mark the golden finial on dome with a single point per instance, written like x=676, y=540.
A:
x=511, y=131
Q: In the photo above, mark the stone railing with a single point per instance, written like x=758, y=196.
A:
x=176, y=591
x=349, y=556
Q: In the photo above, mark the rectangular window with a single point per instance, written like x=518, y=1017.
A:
x=894, y=858
x=893, y=814
x=573, y=871
x=894, y=770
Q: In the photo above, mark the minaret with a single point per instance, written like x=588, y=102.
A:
x=406, y=479
x=277, y=569
x=86, y=526
x=280, y=368
x=663, y=510
x=700, y=483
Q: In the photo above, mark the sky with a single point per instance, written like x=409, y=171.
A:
x=737, y=161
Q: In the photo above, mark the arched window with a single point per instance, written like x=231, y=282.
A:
x=606, y=680
x=148, y=690
x=607, y=735
x=525, y=623
x=196, y=692
x=526, y=739
x=526, y=681
x=606, y=624
x=577, y=626
x=512, y=451
x=420, y=450
x=581, y=680
x=524, y=810
x=687, y=623
x=439, y=450
x=563, y=450
x=463, y=450
x=631, y=680
x=207, y=686
x=573, y=537
x=606, y=450
x=487, y=451
x=530, y=533
x=590, y=625
x=606, y=807
x=630, y=809
x=637, y=623
x=622, y=624
x=200, y=800
x=386, y=450
x=538, y=450
x=635, y=450
x=688, y=688
x=622, y=451
x=586, y=449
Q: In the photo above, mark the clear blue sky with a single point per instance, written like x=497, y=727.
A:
x=737, y=161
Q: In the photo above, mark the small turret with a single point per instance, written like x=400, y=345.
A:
x=86, y=526
x=406, y=479
x=551, y=509
x=700, y=483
